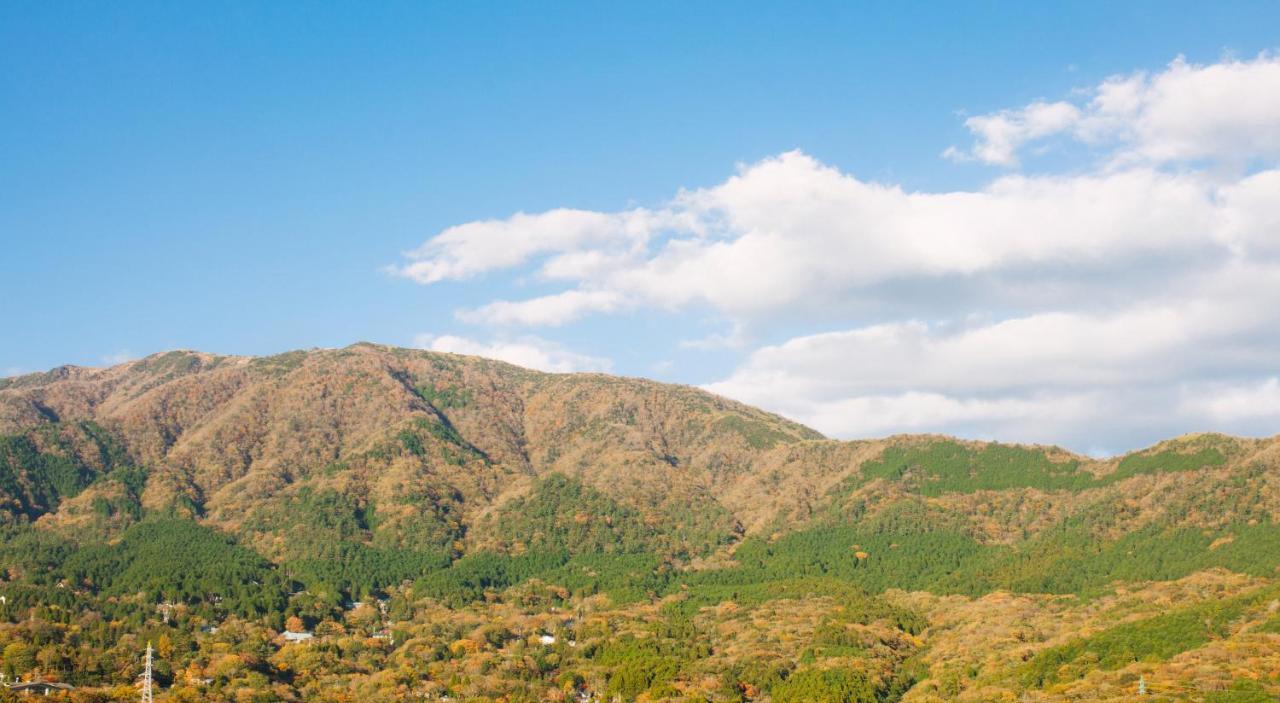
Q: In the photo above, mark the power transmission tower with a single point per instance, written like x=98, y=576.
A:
x=1142, y=685
x=146, y=678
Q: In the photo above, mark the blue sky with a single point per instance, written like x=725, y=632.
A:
x=247, y=178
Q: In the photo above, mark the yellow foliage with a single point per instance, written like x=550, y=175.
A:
x=464, y=646
x=164, y=646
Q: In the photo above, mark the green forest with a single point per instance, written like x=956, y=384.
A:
x=610, y=583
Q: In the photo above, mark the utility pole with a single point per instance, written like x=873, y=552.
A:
x=146, y=678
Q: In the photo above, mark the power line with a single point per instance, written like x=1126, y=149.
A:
x=146, y=678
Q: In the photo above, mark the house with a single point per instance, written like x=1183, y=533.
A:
x=41, y=688
x=297, y=636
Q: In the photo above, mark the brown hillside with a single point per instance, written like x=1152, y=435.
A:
x=442, y=443
x=231, y=432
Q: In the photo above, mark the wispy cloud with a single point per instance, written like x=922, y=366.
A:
x=528, y=351
x=120, y=357
x=546, y=311
x=735, y=338
x=1002, y=134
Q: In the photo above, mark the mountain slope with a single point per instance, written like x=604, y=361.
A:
x=444, y=443
x=230, y=434
x=258, y=488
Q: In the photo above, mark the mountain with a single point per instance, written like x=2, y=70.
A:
x=460, y=491
x=397, y=427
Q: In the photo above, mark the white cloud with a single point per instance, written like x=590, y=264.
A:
x=473, y=248
x=735, y=338
x=1001, y=134
x=1083, y=377
x=789, y=231
x=1227, y=111
x=800, y=231
x=1249, y=220
x=119, y=357
x=1103, y=307
x=1238, y=402
x=530, y=352
x=1028, y=419
x=1146, y=342
x=550, y=310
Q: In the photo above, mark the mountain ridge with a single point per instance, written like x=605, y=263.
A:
x=67, y=371
x=223, y=432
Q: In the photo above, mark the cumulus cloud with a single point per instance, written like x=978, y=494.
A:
x=1103, y=307
x=1002, y=134
x=1077, y=377
x=1227, y=111
x=789, y=231
x=530, y=352
x=550, y=310
x=1220, y=320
